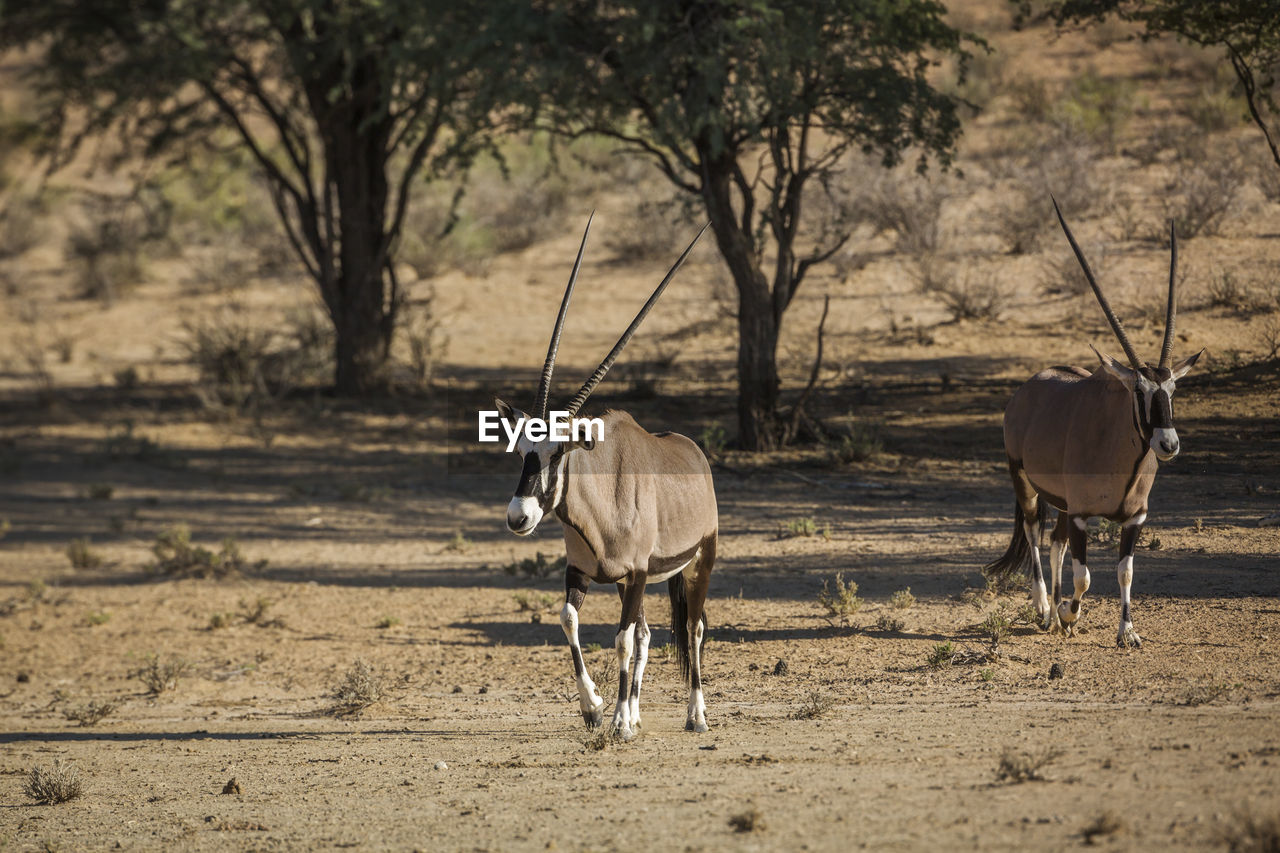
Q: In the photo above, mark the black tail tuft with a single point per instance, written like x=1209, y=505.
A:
x=1018, y=555
x=680, y=622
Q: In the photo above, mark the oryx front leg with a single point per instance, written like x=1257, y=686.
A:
x=1124, y=574
x=1069, y=611
x=589, y=698
x=624, y=723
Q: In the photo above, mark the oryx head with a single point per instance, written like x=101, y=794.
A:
x=1152, y=387
x=542, y=481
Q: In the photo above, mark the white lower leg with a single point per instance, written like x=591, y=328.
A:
x=1038, y=594
x=1057, y=553
x=589, y=698
x=1124, y=574
x=1069, y=611
x=625, y=644
x=697, y=717
x=637, y=678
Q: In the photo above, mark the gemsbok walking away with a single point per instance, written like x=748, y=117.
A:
x=637, y=508
x=1087, y=444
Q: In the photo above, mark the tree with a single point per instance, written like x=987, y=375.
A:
x=342, y=103
x=746, y=104
x=1247, y=31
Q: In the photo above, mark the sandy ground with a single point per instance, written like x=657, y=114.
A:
x=381, y=524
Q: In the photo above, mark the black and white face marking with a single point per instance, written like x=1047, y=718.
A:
x=541, y=486
x=1153, y=395
x=1155, y=400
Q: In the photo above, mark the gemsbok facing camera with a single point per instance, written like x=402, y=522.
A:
x=637, y=508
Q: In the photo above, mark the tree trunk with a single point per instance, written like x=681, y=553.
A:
x=758, y=425
x=362, y=301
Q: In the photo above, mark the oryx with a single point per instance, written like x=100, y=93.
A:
x=1087, y=444
x=637, y=508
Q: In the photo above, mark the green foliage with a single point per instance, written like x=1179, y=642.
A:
x=941, y=655
x=1095, y=107
x=698, y=88
x=161, y=676
x=840, y=599
x=82, y=556
x=902, y=599
x=339, y=106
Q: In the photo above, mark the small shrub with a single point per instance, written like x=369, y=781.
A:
x=750, y=820
x=176, y=556
x=942, y=655
x=529, y=601
x=862, y=442
x=161, y=676
x=255, y=613
x=1227, y=290
x=713, y=440
x=538, y=567
x=889, y=624
x=902, y=599
x=1203, y=193
x=814, y=705
x=1251, y=834
x=1019, y=766
x=1105, y=825
x=965, y=294
x=99, y=491
x=97, y=617
x=90, y=713
x=1094, y=107
x=360, y=687
x=996, y=626
x=57, y=784
x=82, y=556
x=387, y=622
x=220, y=619
x=459, y=543
x=987, y=674
x=803, y=527
x=842, y=599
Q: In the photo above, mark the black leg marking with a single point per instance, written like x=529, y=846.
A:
x=1128, y=541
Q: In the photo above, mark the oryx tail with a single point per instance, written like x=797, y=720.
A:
x=1020, y=555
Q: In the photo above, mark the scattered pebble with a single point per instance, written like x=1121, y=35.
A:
x=1055, y=671
x=781, y=668
x=440, y=765
x=232, y=787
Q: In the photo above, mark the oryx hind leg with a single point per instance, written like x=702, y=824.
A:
x=1057, y=554
x=625, y=645
x=1124, y=574
x=589, y=699
x=696, y=585
x=1069, y=611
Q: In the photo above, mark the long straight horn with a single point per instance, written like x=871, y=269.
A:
x=1097, y=291
x=1171, y=311
x=590, y=385
x=544, y=386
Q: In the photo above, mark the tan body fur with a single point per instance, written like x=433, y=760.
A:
x=637, y=502
x=1061, y=438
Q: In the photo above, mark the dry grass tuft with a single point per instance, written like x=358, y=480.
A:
x=176, y=556
x=750, y=820
x=1020, y=766
x=814, y=706
x=159, y=677
x=90, y=713
x=360, y=687
x=1106, y=825
x=57, y=784
x=1252, y=834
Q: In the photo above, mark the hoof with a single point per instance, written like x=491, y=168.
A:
x=1128, y=638
x=694, y=726
x=593, y=718
x=1066, y=617
x=623, y=733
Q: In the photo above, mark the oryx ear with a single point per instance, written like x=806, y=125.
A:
x=507, y=413
x=1183, y=367
x=1115, y=368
